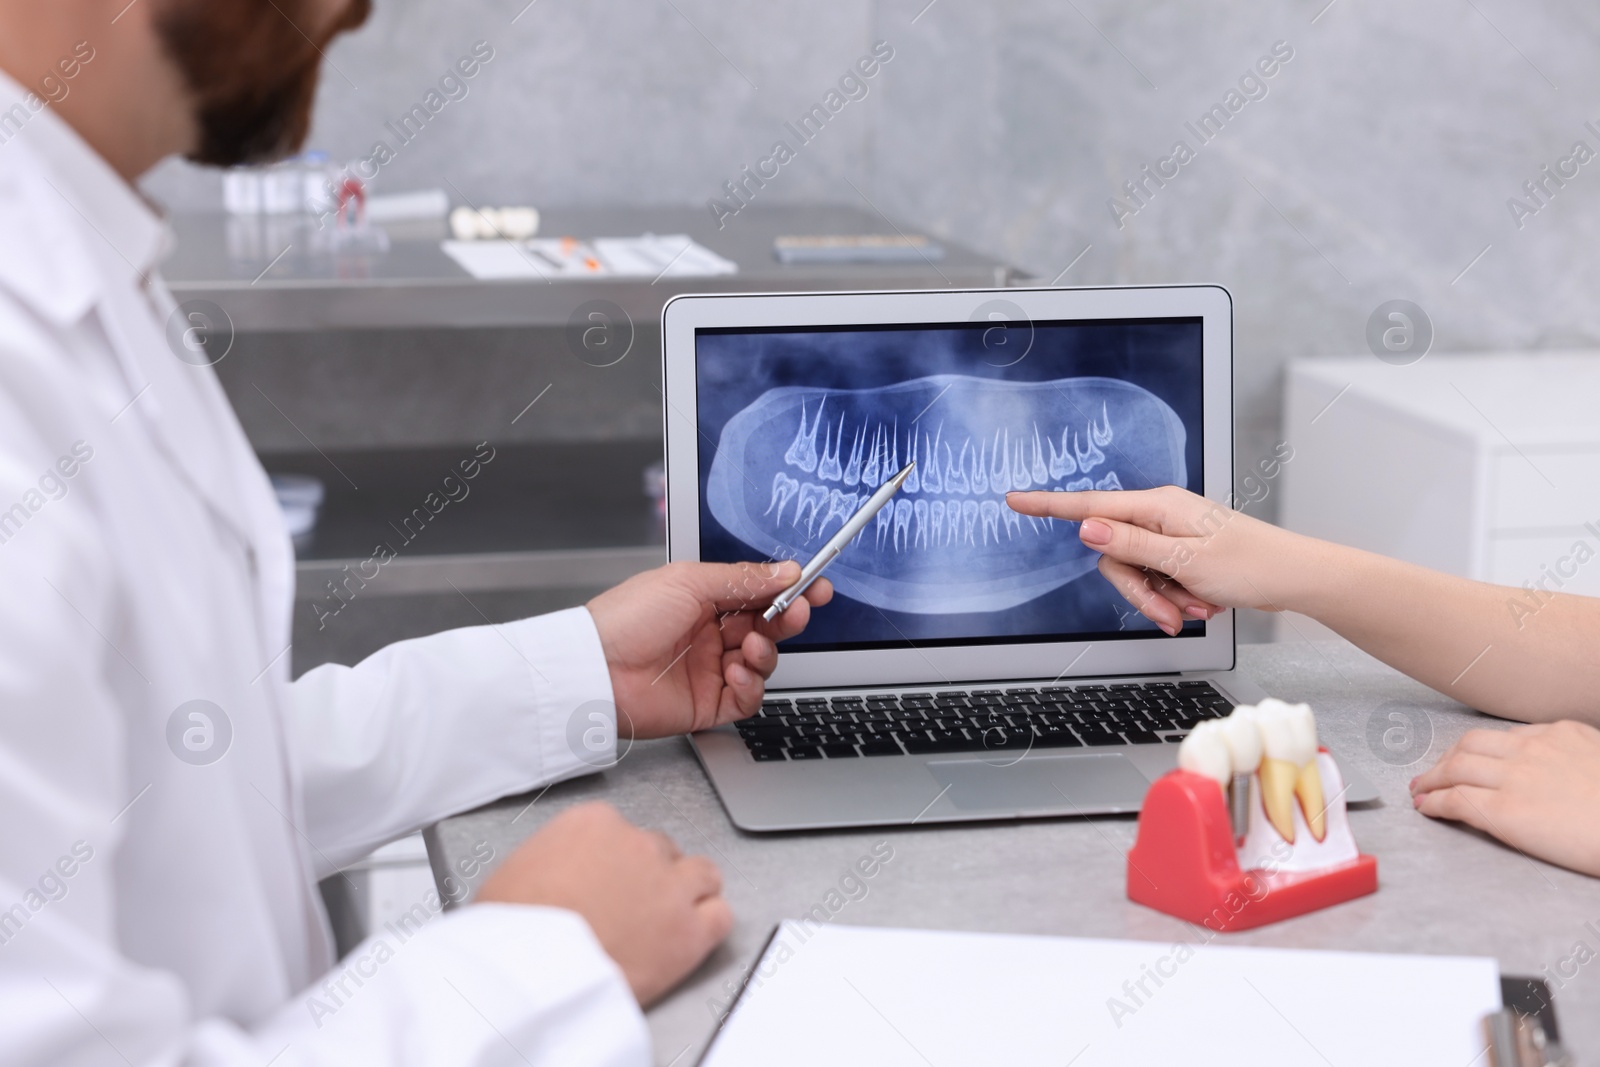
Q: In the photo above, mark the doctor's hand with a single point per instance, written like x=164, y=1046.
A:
x=1176, y=556
x=655, y=911
x=1537, y=788
x=686, y=644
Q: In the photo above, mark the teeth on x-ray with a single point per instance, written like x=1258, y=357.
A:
x=947, y=542
x=828, y=466
x=803, y=453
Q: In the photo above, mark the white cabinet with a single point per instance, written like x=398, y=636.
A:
x=1486, y=466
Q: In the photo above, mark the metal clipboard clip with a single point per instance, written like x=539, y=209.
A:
x=1524, y=1032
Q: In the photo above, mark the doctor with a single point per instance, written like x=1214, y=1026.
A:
x=168, y=797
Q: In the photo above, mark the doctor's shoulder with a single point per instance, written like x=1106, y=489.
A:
x=52, y=407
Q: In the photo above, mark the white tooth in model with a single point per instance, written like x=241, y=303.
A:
x=1205, y=751
x=1244, y=741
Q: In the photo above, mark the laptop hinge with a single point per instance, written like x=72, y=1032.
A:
x=1012, y=683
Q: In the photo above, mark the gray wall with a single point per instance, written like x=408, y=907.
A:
x=1378, y=166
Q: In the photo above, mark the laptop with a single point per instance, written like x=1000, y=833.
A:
x=973, y=663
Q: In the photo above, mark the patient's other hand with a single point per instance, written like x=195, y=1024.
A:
x=1537, y=788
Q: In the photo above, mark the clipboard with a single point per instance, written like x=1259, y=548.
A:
x=738, y=996
x=1522, y=1034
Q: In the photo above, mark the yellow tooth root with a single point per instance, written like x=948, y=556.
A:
x=1308, y=787
x=1278, y=779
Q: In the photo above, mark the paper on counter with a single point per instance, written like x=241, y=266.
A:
x=850, y=995
x=493, y=261
x=551, y=258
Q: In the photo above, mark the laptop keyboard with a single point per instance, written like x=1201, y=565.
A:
x=979, y=720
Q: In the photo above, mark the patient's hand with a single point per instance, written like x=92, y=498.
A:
x=655, y=911
x=1537, y=788
x=686, y=644
x=1178, y=556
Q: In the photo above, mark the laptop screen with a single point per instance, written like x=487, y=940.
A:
x=798, y=426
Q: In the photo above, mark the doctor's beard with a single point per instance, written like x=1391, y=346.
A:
x=252, y=68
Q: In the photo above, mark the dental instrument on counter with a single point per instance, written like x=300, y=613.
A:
x=830, y=551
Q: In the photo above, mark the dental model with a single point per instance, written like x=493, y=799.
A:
x=1269, y=841
x=1276, y=742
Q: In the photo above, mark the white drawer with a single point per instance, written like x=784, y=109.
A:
x=1520, y=498
x=1515, y=560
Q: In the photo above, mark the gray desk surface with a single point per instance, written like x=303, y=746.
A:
x=1443, y=890
x=279, y=273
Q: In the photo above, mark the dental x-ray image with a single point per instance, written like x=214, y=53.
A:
x=808, y=422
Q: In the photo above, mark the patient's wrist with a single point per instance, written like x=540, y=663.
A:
x=1319, y=576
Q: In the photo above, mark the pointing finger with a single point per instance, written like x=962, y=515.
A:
x=1147, y=507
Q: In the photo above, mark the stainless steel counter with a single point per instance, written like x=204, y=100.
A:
x=278, y=273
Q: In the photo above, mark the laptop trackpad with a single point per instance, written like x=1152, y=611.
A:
x=1090, y=782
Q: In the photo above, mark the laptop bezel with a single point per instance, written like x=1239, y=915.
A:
x=952, y=664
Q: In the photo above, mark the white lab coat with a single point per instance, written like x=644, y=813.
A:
x=158, y=910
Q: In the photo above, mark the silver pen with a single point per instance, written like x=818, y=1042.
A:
x=830, y=551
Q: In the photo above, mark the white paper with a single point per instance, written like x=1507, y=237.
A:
x=496, y=260
x=550, y=258
x=886, y=997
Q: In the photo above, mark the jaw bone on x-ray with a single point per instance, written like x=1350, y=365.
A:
x=795, y=464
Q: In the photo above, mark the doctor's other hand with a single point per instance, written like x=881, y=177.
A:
x=656, y=912
x=1176, y=556
x=686, y=644
x=1537, y=788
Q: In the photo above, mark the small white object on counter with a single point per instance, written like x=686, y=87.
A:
x=241, y=191
x=283, y=189
x=494, y=223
